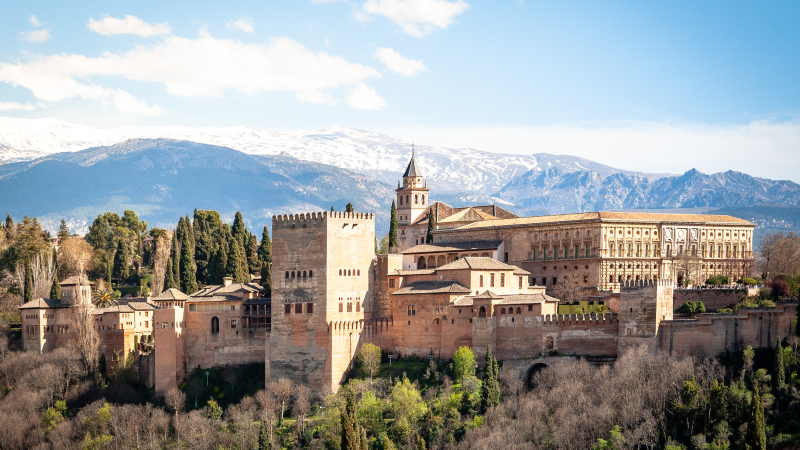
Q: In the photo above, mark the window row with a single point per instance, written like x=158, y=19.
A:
x=555, y=280
x=60, y=329
x=299, y=274
x=165, y=325
x=213, y=307
x=350, y=305
x=418, y=199
x=349, y=272
x=562, y=252
x=620, y=278
x=491, y=280
x=298, y=308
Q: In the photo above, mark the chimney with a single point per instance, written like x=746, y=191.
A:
x=226, y=281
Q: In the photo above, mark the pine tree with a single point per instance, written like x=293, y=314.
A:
x=349, y=208
x=121, y=269
x=353, y=436
x=755, y=437
x=490, y=391
x=431, y=227
x=779, y=377
x=238, y=229
x=188, y=270
x=264, y=442
x=63, y=230
x=331, y=211
x=55, y=289
x=393, y=224
x=237, y=264
x=10, y=221
x=187, y=223
x=27, y=292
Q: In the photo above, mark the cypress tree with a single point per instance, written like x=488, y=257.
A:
x=176, y=262
x=264, y=442
x=419, y=444
x=63, y=230
x=237, y=263
x=187, y=223
x=27, y=292
x=490, y=391
x=219, y=264
x=169, y=280
x=265, y=249
x=10, y=221
x=353, y=436
x=238, y=229
x=431, y=227
x=331, y=211
x=779, y=376
x=188, y=270
x=266, y=277
x=349, y=208
x=755, y=437
x=55, y=289
x=393, y=224
x=253, y=261
x=121, y=267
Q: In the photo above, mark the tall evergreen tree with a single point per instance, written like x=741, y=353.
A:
x=393, y=224
x=175, y=255
x=237, y=263
x=349, y=208
x=238, y=229
x=353, y=436
x=27, y=291
x=189, y=233
x=779, y=377
x=253, y=262
x=121, y=269
x=431, y=227
x=755, y=438
x=55, y=289
x=490, y=390
x=264, y=441
x=265, y=249
x=188, y=270
x=266, y=277
x=219, y=264
x=169, y=278
x=10, y=221
x=63, y=230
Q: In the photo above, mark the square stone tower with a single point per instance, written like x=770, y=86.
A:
x=643, y=305
x=321, y=295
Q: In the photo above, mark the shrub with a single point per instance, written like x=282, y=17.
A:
x=780, y=288
x=717, y=280
x=463, y=363
x=748, y=281
x=692, y=308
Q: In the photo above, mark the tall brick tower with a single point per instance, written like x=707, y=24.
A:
x=321, y=295
x=643, y=305
x=412, y=197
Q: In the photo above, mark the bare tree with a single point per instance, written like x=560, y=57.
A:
x=162, y=246
x=779, y=254
x=687, y=263
x=569, y=290
x=42, y=272
x=302, y=404
x=176, y=402
x=74, y=255
x=87, y=340
x=267, y=404
x=282, y=390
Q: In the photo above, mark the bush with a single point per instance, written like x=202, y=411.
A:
x=463, y=363
x=748, y=281
x=717, y=280
x=692, y=308
x=780, y=288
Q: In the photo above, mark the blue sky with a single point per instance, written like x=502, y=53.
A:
x=701, y=84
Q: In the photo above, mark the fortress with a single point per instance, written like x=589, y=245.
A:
x=488, y=279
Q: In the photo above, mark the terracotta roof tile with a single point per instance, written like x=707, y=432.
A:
x=432, y=287
x=607, y=216
x=43, y=303
x=171, y=294
x=477, y=263
x=453, y=247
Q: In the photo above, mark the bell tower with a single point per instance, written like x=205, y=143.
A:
x=412, y=196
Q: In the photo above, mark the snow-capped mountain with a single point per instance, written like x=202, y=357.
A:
x=464, y=173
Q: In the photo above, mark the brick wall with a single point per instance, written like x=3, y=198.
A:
x=713, y=299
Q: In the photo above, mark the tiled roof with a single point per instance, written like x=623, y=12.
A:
x=229, y=289
x=75, y=279
x=171, y=294
x=432, y=287
x=488, y=294
x=413, y=272
x=113, y=309
x=141, y=306
x=442, y=211
x=608, y=216
x=468, y=215
x=521, y=271
x=215, y=298
x=477, y=263
x=463, y=301
x=454, y=246
x=42, y=303
x=521, y=299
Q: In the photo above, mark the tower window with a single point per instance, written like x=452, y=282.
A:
x=401, y=201
x=491, y=280
x=214, y=325
x=423, y=199
x=416, y=199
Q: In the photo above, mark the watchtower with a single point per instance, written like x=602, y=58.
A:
x=643, y=305
x=412, y=197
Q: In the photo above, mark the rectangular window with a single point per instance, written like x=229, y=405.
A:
x=534, y=254
x=520, y=282
x=309, y=308
x=341, y=307
x=480, y=278
x=233, y=323
x=298, y=308
x=544, y=281
x=506, y=257
x=638, y=249
x=646, y=250
x=146, y=324
x=566, y=252
x=555, y=280
x=502, y=280
x=491, y=280
x=411, y=310
x=588, y=251
x=391, y=283
x=577, y=250
x=358, y=306
x=287, y=309
x=530, y=307
x=349, y=306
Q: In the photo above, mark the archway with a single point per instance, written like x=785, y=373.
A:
x=482, y=312
x=530, y=375
x=421, y=263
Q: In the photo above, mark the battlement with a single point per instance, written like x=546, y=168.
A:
x=555, y=319
x=305, y=220
x=639, y=284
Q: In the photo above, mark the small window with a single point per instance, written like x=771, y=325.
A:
x=340, y=272
x=349, y=306
x=502, y=311
x=530, y=307
x=391, y=283
x=304, y=274
x=233, y=323
x=411, y=310
x=309, y=308
x=358, y=306
x=520, y=282
x=358, y=272
x=519, y=311
x=214, y=325
x=555, y=280
x=481, y=280
x=293, y=274
x=310, y=273
x=341, y=307
x=298, y=308
x=287, y=309
x=491, y=280
x=502, y=280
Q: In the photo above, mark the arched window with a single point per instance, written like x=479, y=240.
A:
x=304, y=274
x=407, y=200
x=340, y=272
x=401, y=201
x=519, y=311
x=416, y=199
x=423, y=199
x=214, y=325
x=287, y=274
x=421, y=263
x=310, y=273
x=358, y=272
x=348, y=272
x=293, y=274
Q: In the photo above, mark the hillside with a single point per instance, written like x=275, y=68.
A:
x=163, y=179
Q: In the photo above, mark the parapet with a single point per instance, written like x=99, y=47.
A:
x=304, y=220
x=555, y=319
x=639, y=284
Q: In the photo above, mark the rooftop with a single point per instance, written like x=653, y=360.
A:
x=412, y=170
x=221, y=289
x=75, y=279
x=432, y=287
x=478, y=263
x=454, y=247
x=171, y=294
x=42, y=303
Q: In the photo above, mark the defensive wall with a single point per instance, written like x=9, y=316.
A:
x=713, y=334
x=713, y=299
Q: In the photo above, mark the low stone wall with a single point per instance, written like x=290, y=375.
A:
x=713, y=299
x=581, y=334
x=712, y=334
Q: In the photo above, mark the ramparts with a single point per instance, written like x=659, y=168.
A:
x=713, y=299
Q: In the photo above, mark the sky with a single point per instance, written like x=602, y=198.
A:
x=649, y=86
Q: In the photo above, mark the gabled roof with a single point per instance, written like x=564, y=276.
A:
x=463, y=301
x=171, y=294
x=477, y=263
x=488, y=295
x=75, y=279
x=432, y=287
x=442, y=211
x=43, y=303
x=468, y=215
x=521, y=299
x=229, y=289
x=454, y=247
x=141, y=306
x=412, y=170
x=113, y=309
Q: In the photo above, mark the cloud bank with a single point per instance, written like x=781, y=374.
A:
x=109, y=26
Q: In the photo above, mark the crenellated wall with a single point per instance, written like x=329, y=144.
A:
x=713, y=299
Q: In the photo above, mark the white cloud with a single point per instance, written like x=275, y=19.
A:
x=35, y=35
x=397, y=63
x=417, y=17
x=245, y=24
x=34, y=21
x=14, y=106
x=203, y=66
x=108, y=26
x=362, y=96
x=656, y=147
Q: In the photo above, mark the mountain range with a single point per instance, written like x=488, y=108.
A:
x=54, y=168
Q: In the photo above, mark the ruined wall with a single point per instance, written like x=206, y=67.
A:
x=713, y=299
x=712, y=334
